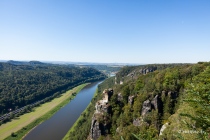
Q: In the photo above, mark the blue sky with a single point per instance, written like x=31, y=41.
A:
x=108, y=31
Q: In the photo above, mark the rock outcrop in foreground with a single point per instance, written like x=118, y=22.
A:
x=99, y=125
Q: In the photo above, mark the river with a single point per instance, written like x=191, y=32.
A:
x=58, y=125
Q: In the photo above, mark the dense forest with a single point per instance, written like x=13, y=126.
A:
x=152, y=102
x=107, y=69
x=25, y=83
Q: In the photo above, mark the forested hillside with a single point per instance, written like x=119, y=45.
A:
x=153, y=102
x=107, y=69
x=22, y=84
x=145, y=102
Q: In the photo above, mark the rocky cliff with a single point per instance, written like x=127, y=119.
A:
x=136, y=71
x=100, y=122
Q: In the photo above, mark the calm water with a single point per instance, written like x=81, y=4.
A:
x=58, y=125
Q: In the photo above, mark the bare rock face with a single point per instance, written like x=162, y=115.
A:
x=164, y=93
x=115, y=80
x=95, y=130
x=131, y=99
x=119, y=97
x=144, y=71
x=146, y=107
x=157, y=103
x=137, y=122
x=163, y=128
x=98, y=126
x=118, y=130
x=171, y=94
x=147, y=70
x=102, y=107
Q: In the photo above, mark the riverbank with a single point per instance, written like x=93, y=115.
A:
x=84, y=113
x=23, y=124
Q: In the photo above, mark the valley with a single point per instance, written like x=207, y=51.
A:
x=104, y=70
x=139, y=102
x=23, y=124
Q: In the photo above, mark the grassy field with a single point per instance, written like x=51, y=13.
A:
x=23, y=124
x=80, y=118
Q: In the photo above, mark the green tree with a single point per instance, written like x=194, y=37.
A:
x=198, y=96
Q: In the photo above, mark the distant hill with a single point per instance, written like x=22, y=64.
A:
x=17, y=62
x=25, y=62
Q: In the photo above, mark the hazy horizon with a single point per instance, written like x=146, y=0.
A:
x=120, y=31
x=93, y=63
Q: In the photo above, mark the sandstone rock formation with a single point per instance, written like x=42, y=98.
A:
x=137, y=122
x=146, y=107
x=131, y=99
x=95, y=130
x=119, y=97
x=171, y=94
x=157, y=104
x=163, y=128
x=99, y=128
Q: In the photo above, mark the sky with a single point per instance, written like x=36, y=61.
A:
x=106, y=31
